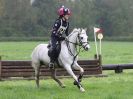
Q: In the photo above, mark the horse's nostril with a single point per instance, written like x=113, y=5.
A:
x=86, y=48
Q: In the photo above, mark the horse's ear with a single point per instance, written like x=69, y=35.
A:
x=85, y=29
x=78, y=29
x=74, y=29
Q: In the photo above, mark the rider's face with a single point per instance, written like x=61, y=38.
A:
x=66, y=17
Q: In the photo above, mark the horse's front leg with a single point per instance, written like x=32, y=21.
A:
x=79, y=79
x=77, y=67
x=69, y=70
x=53, y=75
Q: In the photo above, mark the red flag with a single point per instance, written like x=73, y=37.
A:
x=97, y=30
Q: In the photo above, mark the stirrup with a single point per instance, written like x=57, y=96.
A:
x=51, y=65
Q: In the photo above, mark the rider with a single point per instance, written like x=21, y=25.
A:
x=60, y=27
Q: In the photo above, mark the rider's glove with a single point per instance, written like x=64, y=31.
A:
x=62, y=38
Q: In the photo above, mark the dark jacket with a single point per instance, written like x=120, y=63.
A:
x=60, y=28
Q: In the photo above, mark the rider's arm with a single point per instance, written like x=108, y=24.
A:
x=55, y=28
x=66, y=32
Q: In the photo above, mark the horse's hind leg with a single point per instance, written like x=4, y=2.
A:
x=53, y=75
x=37, y=76
x=37, y=71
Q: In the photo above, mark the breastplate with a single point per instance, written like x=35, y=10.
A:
x=62, y=29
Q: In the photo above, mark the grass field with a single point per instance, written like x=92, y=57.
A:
x=115, y=86
x=112, y=52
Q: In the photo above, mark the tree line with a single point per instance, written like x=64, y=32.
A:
x=18, y=18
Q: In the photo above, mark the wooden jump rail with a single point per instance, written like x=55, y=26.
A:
x=117, y=67
x=24, y=68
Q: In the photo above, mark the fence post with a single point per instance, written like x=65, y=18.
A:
x=100, y=60
x=95, y=56
x=0, y=67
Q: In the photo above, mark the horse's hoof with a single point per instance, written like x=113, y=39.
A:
x=82, y=89
x=75, y=83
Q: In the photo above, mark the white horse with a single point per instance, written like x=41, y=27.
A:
x=67, y=57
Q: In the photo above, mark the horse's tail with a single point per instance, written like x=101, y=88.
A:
x=33, y=53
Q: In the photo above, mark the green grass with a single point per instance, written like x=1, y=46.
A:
x=112, y=52
x=17, y=50
x=115, y=86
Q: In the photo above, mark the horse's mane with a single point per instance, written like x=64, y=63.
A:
x=75, y=30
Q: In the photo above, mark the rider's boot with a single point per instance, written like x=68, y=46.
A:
x=51, y=64
x=52, y=58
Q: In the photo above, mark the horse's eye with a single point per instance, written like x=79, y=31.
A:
x=81, y=38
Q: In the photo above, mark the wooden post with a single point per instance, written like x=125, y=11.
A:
x=100, y=60
x=0, y=67
x=95, y=56
x=118, y=69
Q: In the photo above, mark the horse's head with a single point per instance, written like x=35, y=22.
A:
x=79, y=37
x=83, y=39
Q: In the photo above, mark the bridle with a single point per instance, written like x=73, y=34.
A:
x=80, y=44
